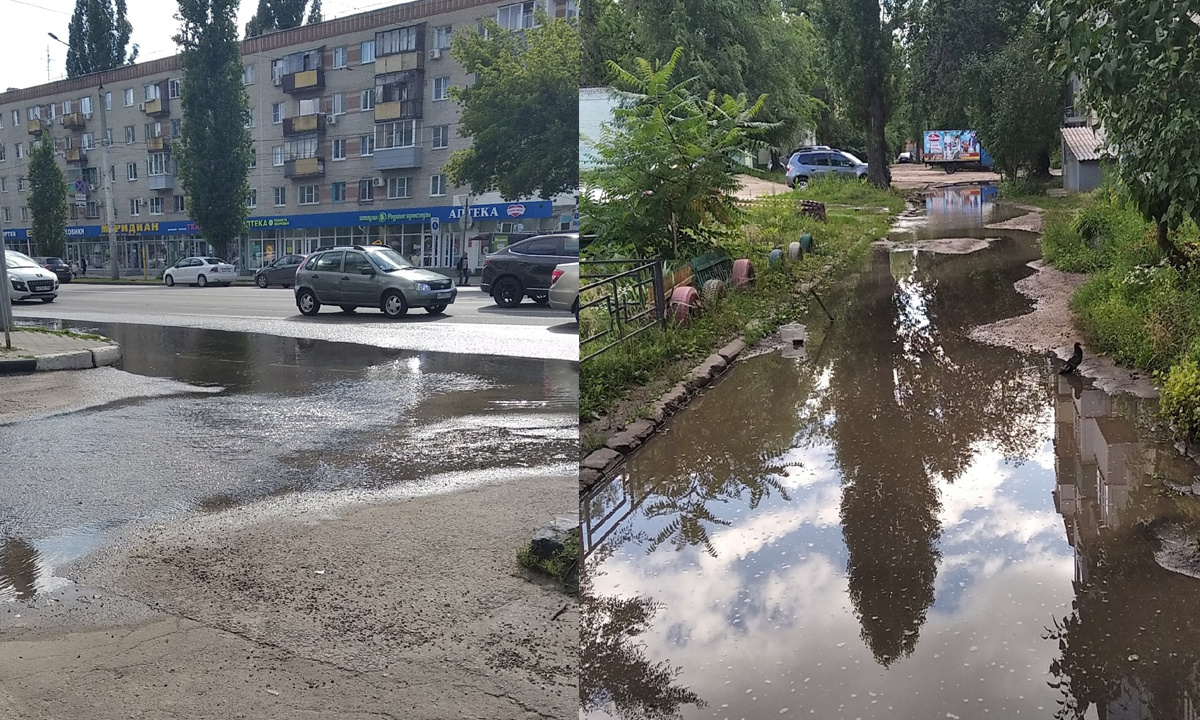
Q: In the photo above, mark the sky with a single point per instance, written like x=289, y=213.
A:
x=24, y=24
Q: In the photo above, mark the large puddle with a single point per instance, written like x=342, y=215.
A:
x=904, y=524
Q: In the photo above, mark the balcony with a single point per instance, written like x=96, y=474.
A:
x=400, y=62
x=158, y=144
x=161, y=182
x=304, y=168
x=157, y=107
x=398, y=110
x=74, y=121
x=75, y=155
x=303, y=124
x=397, y=158
x=305, y=81
x=36, y=126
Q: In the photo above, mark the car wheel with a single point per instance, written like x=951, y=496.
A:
x=169, y=280
x=435, y=309
x=951, y=168
x=308, y=303
x=348, y=309
x=800, y=183
x=575, y=309
x=47, y=300
x=261, y=281
x=508, y=292
x=202, y=281
x=394, y=305
x=541, y=299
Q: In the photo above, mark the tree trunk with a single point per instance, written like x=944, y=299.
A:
x=1168, y=248
x=1042, y=167
x=877, y=160
x=776, y=160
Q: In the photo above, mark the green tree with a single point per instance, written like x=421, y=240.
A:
x=47, y=199
x=667, y=166
x=280, y=15
x=214, y=151
x=608, y=33
x=1139, y=64
x=860, y=47
x=314, y=13
x=98, y=37
x=522, y=111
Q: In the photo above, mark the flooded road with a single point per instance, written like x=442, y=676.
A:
x=230, y=418
x=904, y=524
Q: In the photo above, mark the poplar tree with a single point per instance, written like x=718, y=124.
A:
x=47, y=199
x=98, y=37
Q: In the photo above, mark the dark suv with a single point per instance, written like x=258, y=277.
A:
x=58, y=267
x=523, y=269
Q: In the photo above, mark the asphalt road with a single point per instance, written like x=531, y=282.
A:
x=473, y=324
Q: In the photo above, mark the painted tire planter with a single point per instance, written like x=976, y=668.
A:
x=794, y=252
x=712, y=290
x=684, y=300
x=806, y=243
x=775, y=257
x=743, y=274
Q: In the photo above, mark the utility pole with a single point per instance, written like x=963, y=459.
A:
x=5, y=289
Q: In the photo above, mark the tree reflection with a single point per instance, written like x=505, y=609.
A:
x=18, y=568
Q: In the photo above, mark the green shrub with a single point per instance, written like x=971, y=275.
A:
x=1179, y=403
x=563, y=566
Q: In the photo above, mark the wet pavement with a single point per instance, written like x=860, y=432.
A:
x=904, y=523
x=206, y=420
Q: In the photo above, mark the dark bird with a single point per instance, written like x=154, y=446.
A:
x=1076, y=358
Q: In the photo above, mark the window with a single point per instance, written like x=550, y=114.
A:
x=518, y=16
x=367, y=100
x=2, y=156
x=85, y=105
x=364, y=190
x=277, y=156
x=339, y=149
x=398, y=86
x=441, y=88
x=301, y=148
x=252, y=198
x=173, y=88
x=280, y=196
x=396, y=134
x=151, y=92
x=177, y=205
x=309, y=106
x=337, y=192
x=330, y=261
x=131, y=171
x=7, y=215
x=250, y=118
x=25, y=214
x=20, y=184
x=308, y=195
x=153, y=130
x=3, y=184
x=248, y=75
x=367, y=52
x=108, y=101
x=441, y=37
x=278, y=70
x=355, y=263
x=339, y=57
x=157, y=164
x=20, y=150
x=34, y=113
x=399, y=187
x=16, y=118
x=108, y=137
x=253, y=157
x=128, y=97
x=276, y=113
x=437, y=185
x=568, y=9
x=87, y=141
x=366, y=145
x=400, y=40
x=176, y=127
x=441, y=137
x=135, y=206
x=339, y=104
x=156, y=206
x=130, y=134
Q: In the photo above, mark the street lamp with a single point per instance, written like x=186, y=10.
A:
x=105, y=176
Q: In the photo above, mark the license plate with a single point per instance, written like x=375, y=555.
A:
x=443, y=296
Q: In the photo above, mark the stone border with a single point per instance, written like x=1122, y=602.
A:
x=74, y=360
x=600, y=464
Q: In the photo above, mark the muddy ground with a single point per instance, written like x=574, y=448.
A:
x=309, y=607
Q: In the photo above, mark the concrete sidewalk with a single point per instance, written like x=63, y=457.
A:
x=36, y=351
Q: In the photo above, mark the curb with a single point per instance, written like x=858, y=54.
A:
x=600, y=464
x=73, y=360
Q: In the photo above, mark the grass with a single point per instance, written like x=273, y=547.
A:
x=1135, y=306
x=835, y=190
x=563, y=566
x=771, y=222
x=63, y=333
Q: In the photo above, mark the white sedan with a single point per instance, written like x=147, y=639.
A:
x=200, y=271
x=564, y=288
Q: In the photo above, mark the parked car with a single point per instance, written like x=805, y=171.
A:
x=803, y=166
x=282, y=271
x=200, y=271
x=369, y=276
x=904, y=157
x=564, y=288
x=523, y=269
x=29, y=280
x=57, y=266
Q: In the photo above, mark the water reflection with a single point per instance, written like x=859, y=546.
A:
x=18, y=569
x=867, y=533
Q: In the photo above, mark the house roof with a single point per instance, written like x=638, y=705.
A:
x=1084, y=143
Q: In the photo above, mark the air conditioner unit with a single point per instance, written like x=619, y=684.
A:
x=331, y=119
x=60, y=121
x=435, y=54
x=91, y=187
x=141, y=107
x=377, y=182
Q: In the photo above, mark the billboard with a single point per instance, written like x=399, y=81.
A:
x=951, y=146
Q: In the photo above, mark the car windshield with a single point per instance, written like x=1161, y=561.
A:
x=389, y=260
x=214, y=261
x=15, y=259
x=853, y=159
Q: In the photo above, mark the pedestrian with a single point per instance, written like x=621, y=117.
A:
x=464, y=271
x=83, y=265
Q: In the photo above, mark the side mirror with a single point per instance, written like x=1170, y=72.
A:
x=366, y=271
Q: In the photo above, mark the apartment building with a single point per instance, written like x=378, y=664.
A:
x=352, y=124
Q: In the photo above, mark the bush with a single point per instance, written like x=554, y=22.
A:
x=1179, y=403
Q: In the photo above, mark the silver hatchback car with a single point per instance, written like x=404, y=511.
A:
x=369, y=276
x=803, y=166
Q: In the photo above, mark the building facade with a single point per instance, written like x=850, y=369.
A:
x=352, y=124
